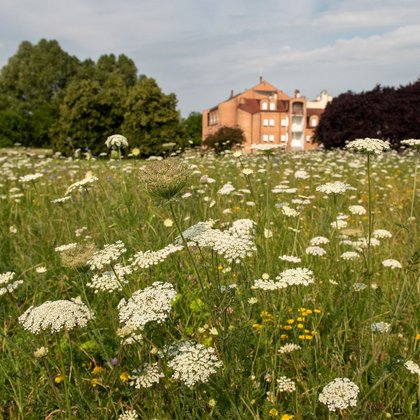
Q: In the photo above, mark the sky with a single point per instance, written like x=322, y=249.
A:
x=201, y=50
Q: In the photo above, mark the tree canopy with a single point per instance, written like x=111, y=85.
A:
x=383, y=112
x=50, y=98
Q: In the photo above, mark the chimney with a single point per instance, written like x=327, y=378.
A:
x=231, y=93
x=260, y=79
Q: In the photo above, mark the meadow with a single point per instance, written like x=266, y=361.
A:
x=244, y=286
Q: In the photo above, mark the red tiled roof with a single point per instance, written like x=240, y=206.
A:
x=282, y=106
x=314, y=111
x=250, y=105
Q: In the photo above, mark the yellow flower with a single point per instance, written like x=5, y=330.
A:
x=300, y=318
x=220, y=267
x=94, y=382
x=290, y=321
x=287, y=417
x=417, y=336
x=257, y=326
x=287, y=327
x=125, y=376
x=97, y=370
x=135, y=151
x=284, y=337
x=58, y=379
x=273, y=412
x=168, y=223
x=301, y=337
x=300, y=326
x=309, y=337
x=317, y=311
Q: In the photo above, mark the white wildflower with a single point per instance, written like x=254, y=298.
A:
x=290, y=258
x=412, y=367
x=30, y=177
x=358, y=210
x=151, y=304
x=128, y=415
x=66, y=247
x=194, y=363
x=381, y=234
x=285, y=384
x=110, y=253
x=382, y=327
x=116, y=140
x=56, y=315
x=149, y=375
x=339, y=394
x=149, y=258
x=349, y=255
x=391, y=263
x=288, y=348
x=81, y=185
x=368, y=146
x=337, y=187
x=319, y=240
x=315, y=251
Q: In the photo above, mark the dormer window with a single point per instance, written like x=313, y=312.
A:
x=314, y=122
x=272, y=106
x=264, y=106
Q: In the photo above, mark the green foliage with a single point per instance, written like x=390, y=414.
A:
x=89, y=114
x=192, y=128
x=386, y=113
x=216, y=304
x=225, y=138
x=151, y=119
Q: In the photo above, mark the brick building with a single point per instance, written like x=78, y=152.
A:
x=268, y=116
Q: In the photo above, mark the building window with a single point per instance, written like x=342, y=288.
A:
x=271, y=137
x=314, y=122
x=271, y=123
x=272, y=106
x=265, y=122
x=264, y=106
x=283, y=137
x=265, y=137
x=308, y=139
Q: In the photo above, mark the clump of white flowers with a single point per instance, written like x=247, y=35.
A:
x=319, y=240
x=194, y=363
x=116, y=141
x=104, y=257
x=381, y=234
x=349, y=255
x=30, y=177
x=145, y=378
x=289, y=348
x=149, y=258
x=290, y=277
x=290, y=258
x=357, y=209
x=368, y=146
x=411, y=143
x=339, y=394
x=150, y=304
x=412, y=367
x=65, y=247
x=336, y=187
x=81, y=185
x=315, y=251
x=381, y=327
x=7, y=283
x=285, y=384
x=390, y=263
x=128, y=415
x=56, y=315
x=108, y=281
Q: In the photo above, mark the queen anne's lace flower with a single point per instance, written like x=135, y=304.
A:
x=81, y=185
x=412, y=367
x=30, y=177
x=339, y=394
x=319, y=240
x=285, y=384
x=116, y=140
x=337, y=187
x=226, y=189
x=315, y=251
x=56, y=315
x=151, y=304
x=104, y=257
x=288, y=348
x=411, y=143
x=145, y=378
x=149, y=258
x=356, y=209
x=8, y=285
x=391, y=263
x=194, y=363
x=108, y=281
x=290, y=258
x=381, y=327
x=368, y=146
x=349, y=255
x=290, y=277
x=128, y=415
x=381, y=234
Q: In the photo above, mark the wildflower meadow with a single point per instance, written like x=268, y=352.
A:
x=243, y=286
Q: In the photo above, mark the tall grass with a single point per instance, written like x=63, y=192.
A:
x=86, y=372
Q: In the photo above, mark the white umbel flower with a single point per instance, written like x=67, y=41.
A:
x=368, y=146
x=319, y=240
x=116, y=141
x=411, y=143
x=30, y=177
x=412, y=367
x=339, y=394
x=289, y=348
x=149, y=375
x=357, y=210
x=316, y=251
x=6, y=280
x=337, y=187
x=390, y=263
x=194, y=363
x=128, y=415
x=151, y=304
x=56, y=316
x=149, y=258
x=285, y=384
x=104, y=257
x=381, y=234
x=81, y=185
x=381, y=327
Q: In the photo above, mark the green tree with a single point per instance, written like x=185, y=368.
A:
x=192, y=128
x=151, y=121
x=90, y=112
x=34, y=80
x=225, y=138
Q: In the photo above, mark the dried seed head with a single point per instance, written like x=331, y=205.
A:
x=165, y=179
